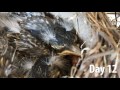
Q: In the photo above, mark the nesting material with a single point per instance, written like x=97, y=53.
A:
x=9, y=22
x=102, y=54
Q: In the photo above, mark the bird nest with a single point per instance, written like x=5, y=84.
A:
x=105, y=54
x=24, y=56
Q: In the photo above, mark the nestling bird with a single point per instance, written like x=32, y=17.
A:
x=50, y=67
x=49, y=31
x=30, y=55
x=54, y=66
x=40, y=68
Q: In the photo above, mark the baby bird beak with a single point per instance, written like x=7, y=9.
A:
x=74, y=56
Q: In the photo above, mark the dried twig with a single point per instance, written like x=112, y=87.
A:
x=90, y=58
x=13, y=54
